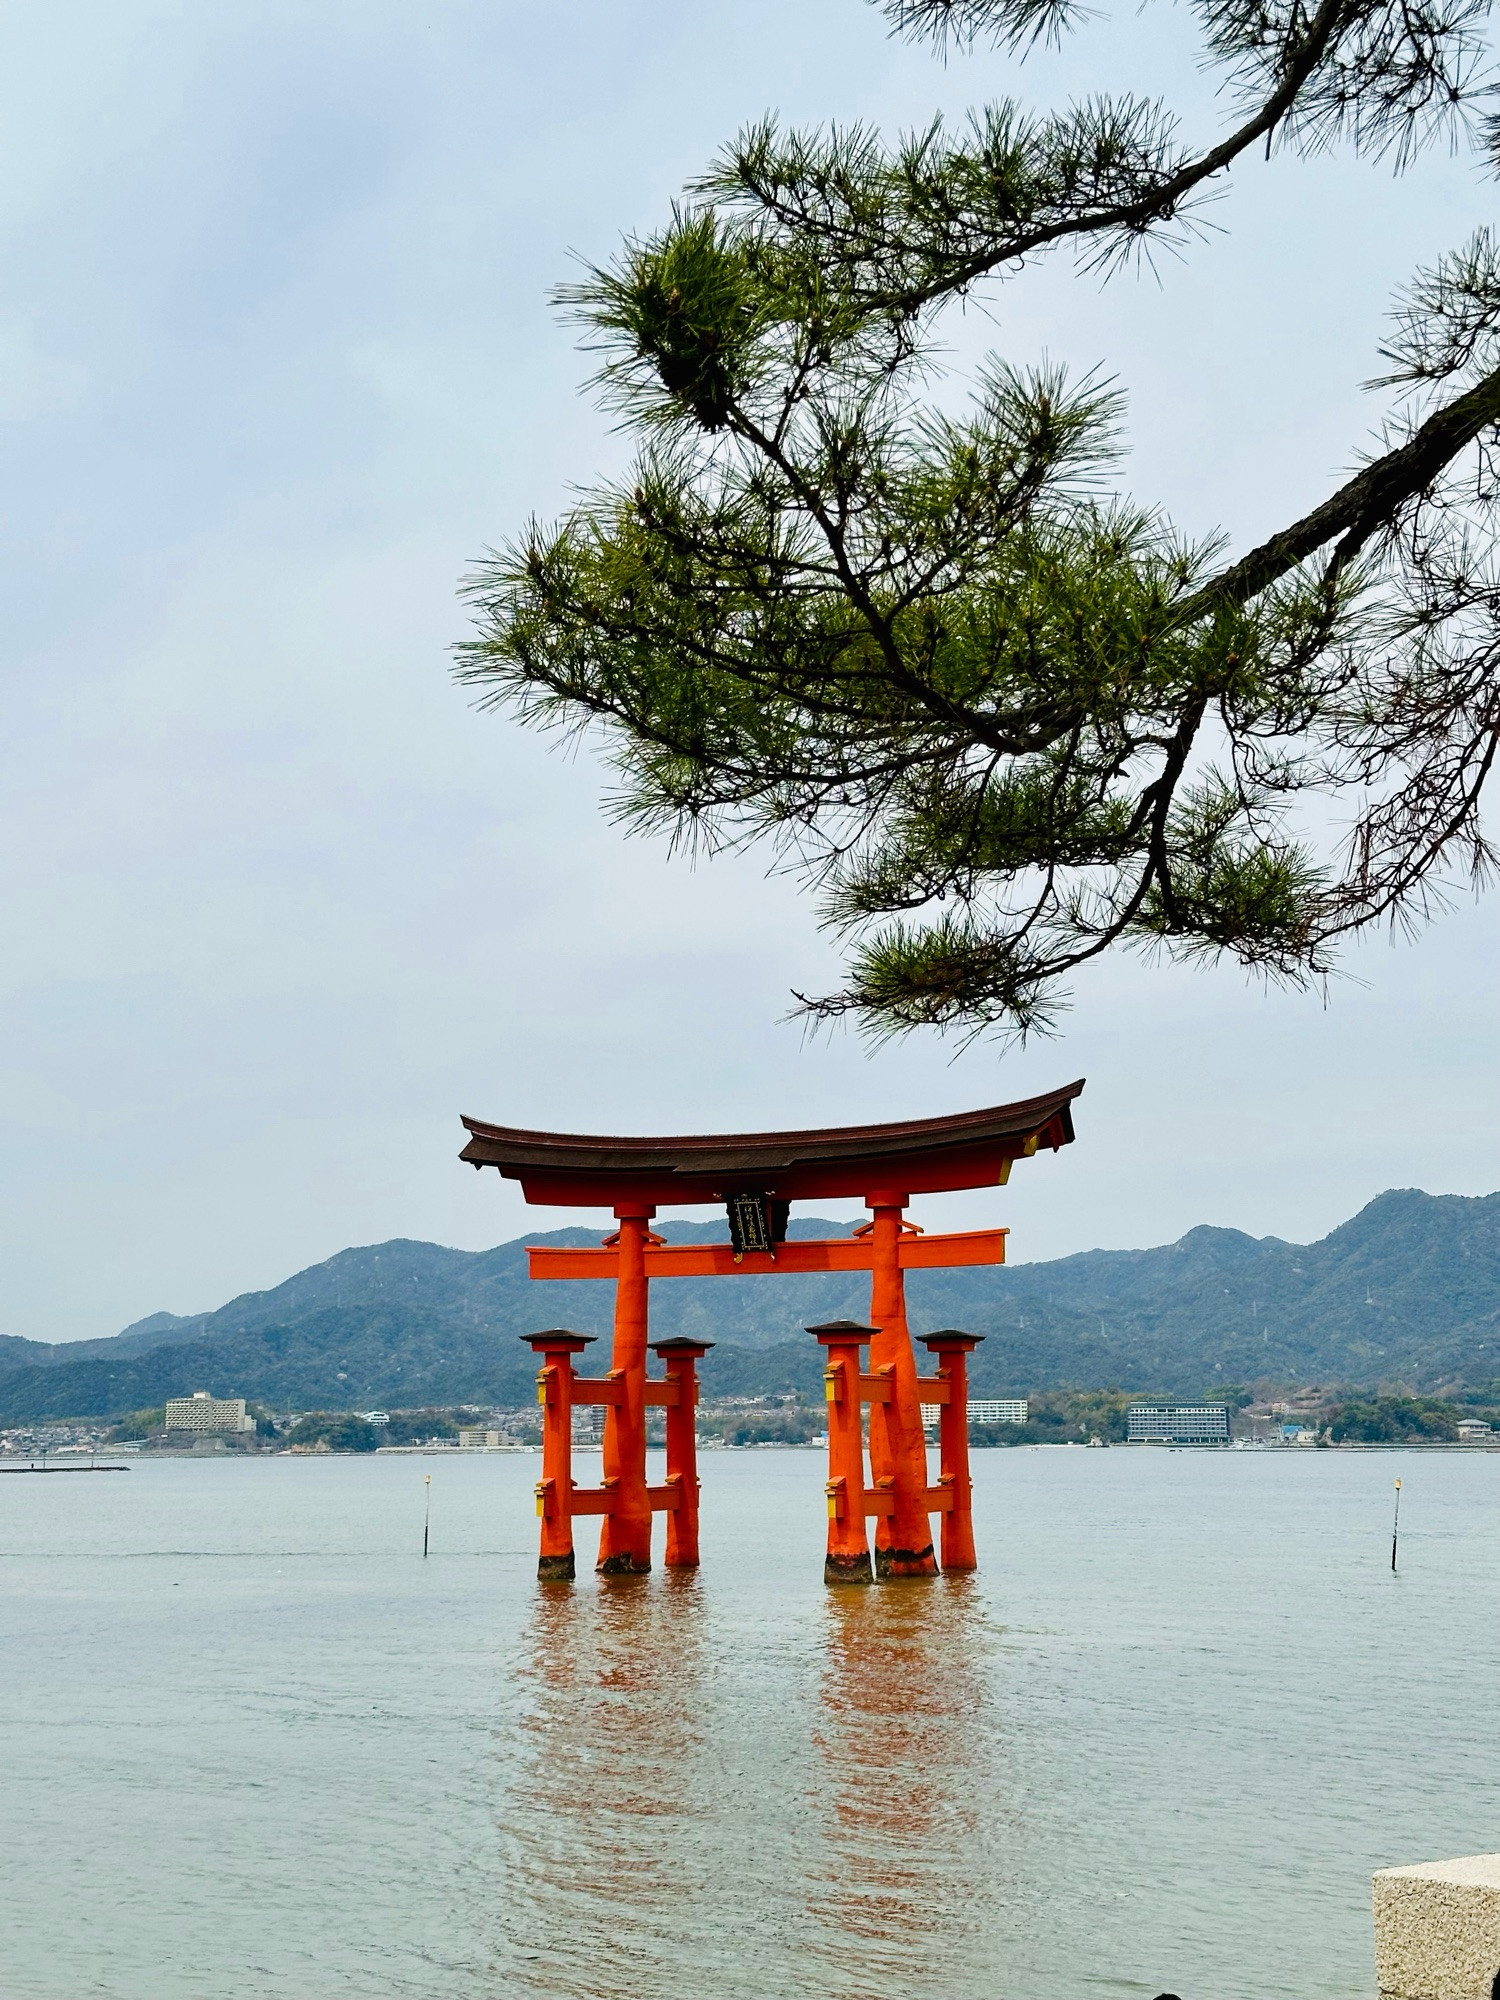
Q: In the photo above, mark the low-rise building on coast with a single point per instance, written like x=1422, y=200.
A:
x=998, y=1409
x=982, y=1410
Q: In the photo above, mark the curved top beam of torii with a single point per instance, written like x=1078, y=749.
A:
x=920, y=1156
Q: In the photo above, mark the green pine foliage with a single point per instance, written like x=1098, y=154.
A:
x=1005, y=717
x=340, y=1430
x=1395, y=1420
x=1064, y=1416
x=138, y=1425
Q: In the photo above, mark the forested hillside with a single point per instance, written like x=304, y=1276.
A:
x=1406, y=1292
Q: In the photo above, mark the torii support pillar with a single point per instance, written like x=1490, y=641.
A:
x=951, y=1349
x=848, y=1557
x=554, y=1490
x=559, y=1501
x=680, y=1394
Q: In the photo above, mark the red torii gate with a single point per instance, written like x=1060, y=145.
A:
x=756, y=1177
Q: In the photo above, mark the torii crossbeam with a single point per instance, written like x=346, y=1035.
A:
x=756, y=1177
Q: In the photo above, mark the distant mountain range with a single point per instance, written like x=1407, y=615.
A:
x=1407, y=1292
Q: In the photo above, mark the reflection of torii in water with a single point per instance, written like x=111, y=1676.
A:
x=756, y=1177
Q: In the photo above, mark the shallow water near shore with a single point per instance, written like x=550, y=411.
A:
x=254, y=1745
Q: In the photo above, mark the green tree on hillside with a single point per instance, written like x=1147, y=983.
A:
x=1063, y=1416
x=1235, y=1394
x=1005, y=718
x=342, y=1431
x=137, y=1425
x=421, y=1426
x=1394, y=1420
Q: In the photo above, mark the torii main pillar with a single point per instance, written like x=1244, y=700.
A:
x=756, y=1177
x=625, y=1538
x=898, y=1449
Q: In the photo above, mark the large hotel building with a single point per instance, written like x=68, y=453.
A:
x=202, y=1412
x=1178, y=1423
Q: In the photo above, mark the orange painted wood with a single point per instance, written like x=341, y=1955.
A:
x=681, y=1362
x=601, y=1499
x=932, y=1389
x=625, y=1538
x=951, y=1350
x=875, y=1388
x=948, y=1252
x=898, y=1449
x=596, y=1391
x=938, y=1499
x=554, y=1390
x=848, y=1557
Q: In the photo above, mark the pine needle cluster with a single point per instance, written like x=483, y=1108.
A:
x=1006, y=720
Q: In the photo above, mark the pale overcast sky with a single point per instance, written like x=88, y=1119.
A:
x=276, y=364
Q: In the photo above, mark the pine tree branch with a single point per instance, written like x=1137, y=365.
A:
x=1369, y=502
x=955, y=269
x=1160, y=202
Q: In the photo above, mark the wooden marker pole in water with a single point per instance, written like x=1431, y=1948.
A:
x=1395, y=1527
x=426, y=1513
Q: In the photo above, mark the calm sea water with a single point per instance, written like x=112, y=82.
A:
x=251, y=1744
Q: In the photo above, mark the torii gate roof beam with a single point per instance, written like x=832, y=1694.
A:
x=921, y=1156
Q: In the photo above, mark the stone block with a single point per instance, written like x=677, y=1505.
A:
x=1437, y=1930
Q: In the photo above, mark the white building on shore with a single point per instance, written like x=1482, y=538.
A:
x=982, y=1410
